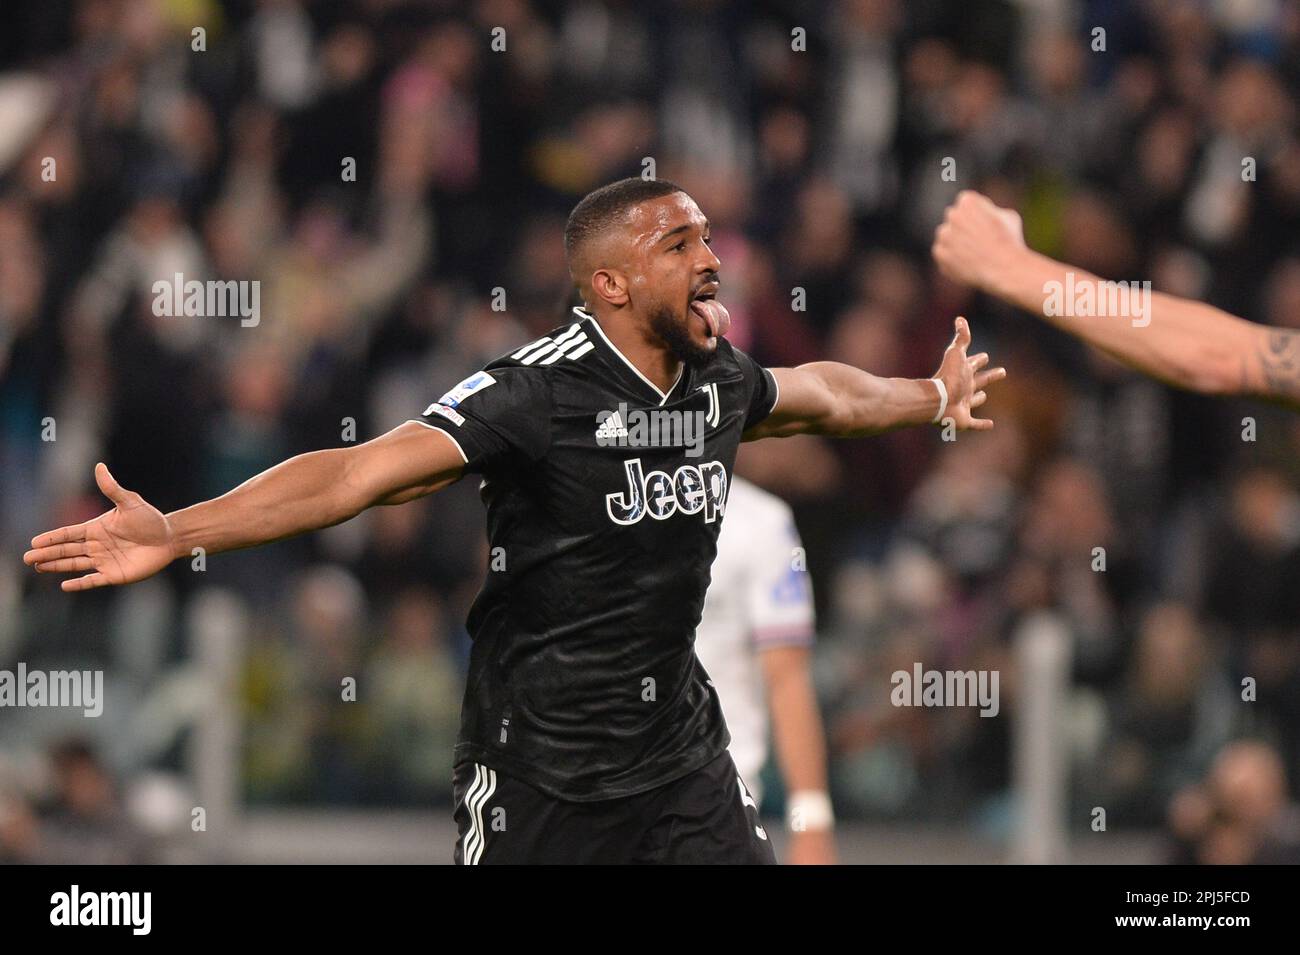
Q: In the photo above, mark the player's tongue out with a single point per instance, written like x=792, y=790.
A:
x=715, y=315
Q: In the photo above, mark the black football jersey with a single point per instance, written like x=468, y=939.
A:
x=604, y=499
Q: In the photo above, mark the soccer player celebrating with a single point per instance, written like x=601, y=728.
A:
x=589, y=730
x=1186, y=344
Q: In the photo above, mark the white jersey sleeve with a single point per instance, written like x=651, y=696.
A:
x=779, y=595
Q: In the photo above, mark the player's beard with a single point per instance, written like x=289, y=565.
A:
x=676, y=337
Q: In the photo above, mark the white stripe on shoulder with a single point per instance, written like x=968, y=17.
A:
x=534, y=350
x=556, y=349
x=567, y=349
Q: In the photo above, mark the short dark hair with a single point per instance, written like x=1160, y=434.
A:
x=600, y=208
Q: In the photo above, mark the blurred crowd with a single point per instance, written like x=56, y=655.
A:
x=388, y=170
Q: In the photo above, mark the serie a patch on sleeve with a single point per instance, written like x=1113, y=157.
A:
x=466, y=388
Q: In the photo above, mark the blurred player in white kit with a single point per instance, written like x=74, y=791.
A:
x=755, y=641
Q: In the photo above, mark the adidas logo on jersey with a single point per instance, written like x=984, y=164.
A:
x=656, y=428
x=611, y=429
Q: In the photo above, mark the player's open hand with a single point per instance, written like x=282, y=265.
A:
x=978, y=242
x=129, y=543
x=966, y=378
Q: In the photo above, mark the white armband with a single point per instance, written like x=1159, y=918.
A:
x=943, y=400
x=809, y=810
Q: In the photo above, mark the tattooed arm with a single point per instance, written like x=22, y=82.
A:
x=1273, y=370
x=1183, y=343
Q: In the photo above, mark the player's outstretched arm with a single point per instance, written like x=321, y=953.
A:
x=1183, y=343
x=831, y=398
x=135, y=540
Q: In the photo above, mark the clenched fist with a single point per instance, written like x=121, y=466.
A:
x=978, y=243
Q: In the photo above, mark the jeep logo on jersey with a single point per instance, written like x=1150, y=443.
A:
x=689, y=489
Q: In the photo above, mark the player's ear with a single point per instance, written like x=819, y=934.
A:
x=610, y=285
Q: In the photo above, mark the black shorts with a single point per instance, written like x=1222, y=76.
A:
x=705, y=817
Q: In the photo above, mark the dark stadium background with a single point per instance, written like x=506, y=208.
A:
x=821, y=169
